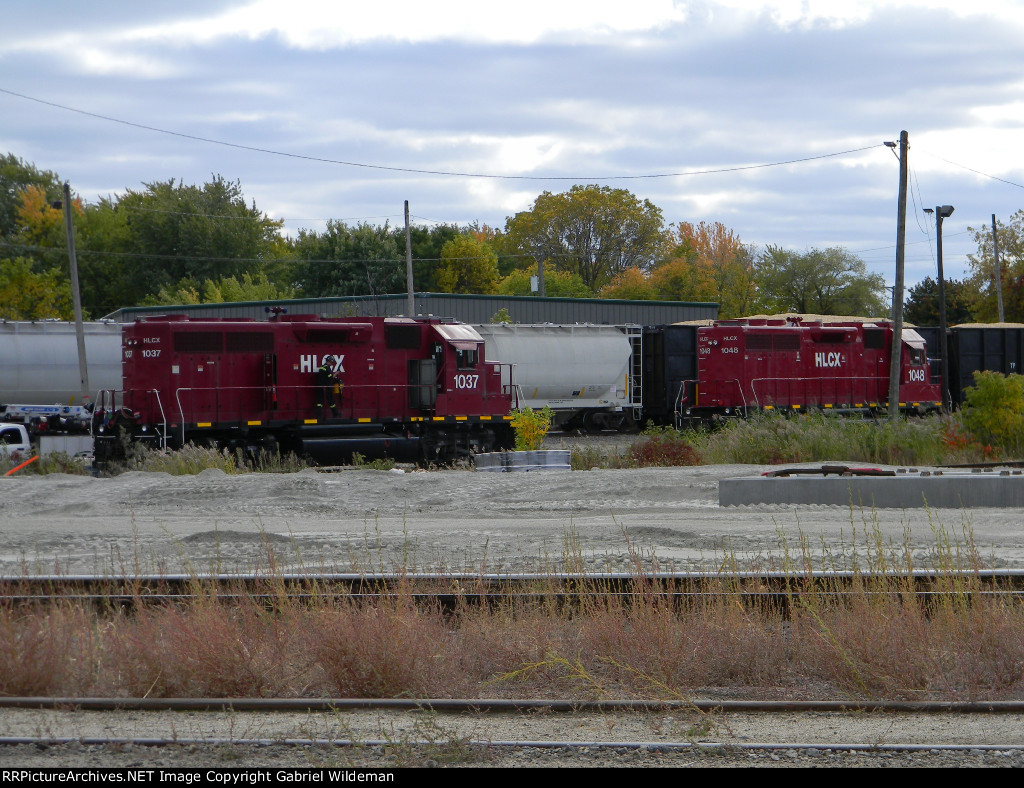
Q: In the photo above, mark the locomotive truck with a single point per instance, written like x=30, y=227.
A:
x=411, y=389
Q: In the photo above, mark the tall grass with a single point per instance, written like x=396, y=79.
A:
x=56, y=462
x=770, y=439
x=876, y=642
x=192, y=459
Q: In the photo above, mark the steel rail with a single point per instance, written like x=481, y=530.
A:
x=500, y=705
x=497, y=578
x=651, y=746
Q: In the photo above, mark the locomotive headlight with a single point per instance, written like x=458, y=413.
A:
x=145, y=428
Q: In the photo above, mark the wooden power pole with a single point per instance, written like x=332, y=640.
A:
x=895, y=362
x=76, y=294
x=999, y=272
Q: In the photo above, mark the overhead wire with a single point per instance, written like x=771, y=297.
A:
x=976, y=172
x=417, y=171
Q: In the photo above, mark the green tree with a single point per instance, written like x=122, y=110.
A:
x=467, y=266
x=557, y=284
x=249, y=288
x=104, y=264
x=15, y=175
x=922, y=305
x=594, y=231
x=993, y=410
x=26, y=294
x=176, y=231
x=1011, y=262
x=632, y=284
x=426, y=243
x=829, y=281
x=347, y=261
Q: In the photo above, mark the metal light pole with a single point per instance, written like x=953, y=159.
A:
x=941, y=212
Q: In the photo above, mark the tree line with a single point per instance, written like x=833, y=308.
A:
x=174, y=243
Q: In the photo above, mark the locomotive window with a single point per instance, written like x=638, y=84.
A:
x=916, y=356
x=465, y=359
x=250, y=342
x=874, y=339
x=199, y=342
x=404, y=337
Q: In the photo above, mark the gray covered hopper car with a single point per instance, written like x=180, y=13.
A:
x=39, y=360
x=582, y=372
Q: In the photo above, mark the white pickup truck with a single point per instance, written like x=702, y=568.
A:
x=50, y=428
x=14, y=441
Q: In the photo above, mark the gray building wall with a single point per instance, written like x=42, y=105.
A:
x=465, y=308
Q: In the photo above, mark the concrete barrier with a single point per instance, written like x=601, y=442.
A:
x=938, y=489
x=516, y=461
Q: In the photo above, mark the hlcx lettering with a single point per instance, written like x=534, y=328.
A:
x=828, y=359
x=312, y=362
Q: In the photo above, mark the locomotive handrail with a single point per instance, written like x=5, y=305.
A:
x=743, y=396
x=163, y=431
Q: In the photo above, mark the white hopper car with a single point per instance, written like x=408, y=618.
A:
x=585, y=373
x=39, y=360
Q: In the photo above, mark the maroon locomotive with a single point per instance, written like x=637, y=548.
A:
x=790, y=365
x=412, y=389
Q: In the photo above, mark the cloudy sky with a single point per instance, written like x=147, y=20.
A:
x=469, y=110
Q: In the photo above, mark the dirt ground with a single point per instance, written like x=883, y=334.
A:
x=362, y=520
x=466, y=521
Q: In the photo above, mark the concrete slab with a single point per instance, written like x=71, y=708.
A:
x=944, y=489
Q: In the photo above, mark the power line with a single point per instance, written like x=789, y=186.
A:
x=976, y=172
x=447, y=173
x=202, y=215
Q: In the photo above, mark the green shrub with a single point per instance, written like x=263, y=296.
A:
x=530, y=427
x=993, y=411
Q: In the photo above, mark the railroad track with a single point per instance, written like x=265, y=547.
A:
x=774, y=589
x=375, y=733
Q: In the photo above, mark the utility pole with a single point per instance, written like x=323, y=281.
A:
x=76, y=294
x=999, y=271
x=896, y=356
x=410, y=307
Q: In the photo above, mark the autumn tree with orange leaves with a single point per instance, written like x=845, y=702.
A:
x=708, y=262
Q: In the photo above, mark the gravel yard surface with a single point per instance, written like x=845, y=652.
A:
x=464, y=521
